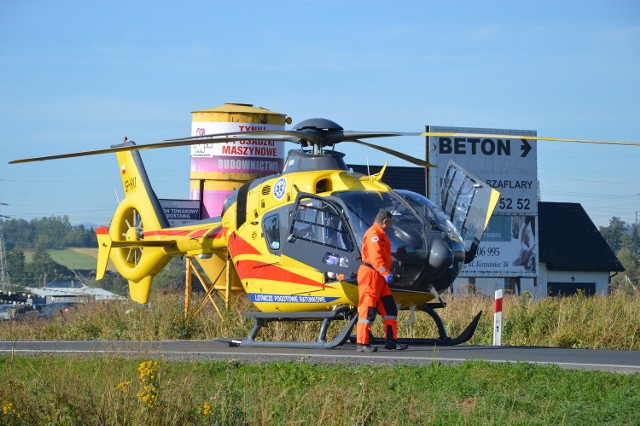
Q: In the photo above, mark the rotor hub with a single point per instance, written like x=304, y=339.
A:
x=132, y=234
x=317, y=124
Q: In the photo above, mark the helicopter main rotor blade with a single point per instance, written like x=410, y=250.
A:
x=542, y=138
x=350, y=135
x=312, y=136
x=410, y=159
x=315, y=137
x=278, y=135
x=194, y=140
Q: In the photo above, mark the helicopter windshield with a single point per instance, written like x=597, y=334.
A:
x=407, y=234
x=436, y=217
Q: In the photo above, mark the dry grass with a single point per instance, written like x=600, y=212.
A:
x=598, y=322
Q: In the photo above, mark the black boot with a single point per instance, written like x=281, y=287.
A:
x=366, y=349
x=392, y=344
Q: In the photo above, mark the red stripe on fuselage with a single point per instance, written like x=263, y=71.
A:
x=216, y=233
x=255, y=269
x=238, y=246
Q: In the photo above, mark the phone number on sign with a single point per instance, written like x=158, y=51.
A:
x=488, y=251
x=510, y=204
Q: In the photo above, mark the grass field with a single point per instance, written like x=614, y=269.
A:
x=112, y=390
x=107, y=390
x=597, y=322
x=74, y=258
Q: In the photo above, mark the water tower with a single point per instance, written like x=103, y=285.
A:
x=218, y=169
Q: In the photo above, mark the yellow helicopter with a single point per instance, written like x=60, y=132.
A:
x=294, y=237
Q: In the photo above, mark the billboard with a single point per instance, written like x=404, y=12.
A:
x=509, y=247
x=181, y=212
x=241, y=156
x=509, y=165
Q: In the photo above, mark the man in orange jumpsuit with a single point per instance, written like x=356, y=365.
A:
x=374, y=277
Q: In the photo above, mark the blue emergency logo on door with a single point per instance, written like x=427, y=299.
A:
x=280, y=188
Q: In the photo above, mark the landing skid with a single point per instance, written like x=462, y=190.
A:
x=443, y=339
x=262, y=319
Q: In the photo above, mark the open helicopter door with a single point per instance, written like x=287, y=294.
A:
x=469, y=203
x=319, y=237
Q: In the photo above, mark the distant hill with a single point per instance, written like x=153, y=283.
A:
x=74, y=258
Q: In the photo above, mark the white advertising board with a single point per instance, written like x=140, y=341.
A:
x=240, y=148
x=509, y=165
x=509, y=247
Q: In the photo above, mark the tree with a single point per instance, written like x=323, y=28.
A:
x=79, y=236
x=53, y=231
x=627, y=281
x=632, y=240
x=16, y=267
x=18, y=234
x=615, y=233
x=43, y=268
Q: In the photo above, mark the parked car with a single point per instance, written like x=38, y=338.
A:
x=24, y=312
x=41, y=311
x=56, y=308
x=6, y=311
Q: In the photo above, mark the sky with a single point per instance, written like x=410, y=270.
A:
x=79, y=75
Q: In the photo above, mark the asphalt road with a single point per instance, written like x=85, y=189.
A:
x=582, y=359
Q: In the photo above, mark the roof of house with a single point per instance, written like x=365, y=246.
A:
x=570, y=241
x=94, y=293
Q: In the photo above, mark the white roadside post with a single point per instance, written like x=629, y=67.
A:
x=497, y=319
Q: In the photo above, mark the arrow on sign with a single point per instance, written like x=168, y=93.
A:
x=525, y=147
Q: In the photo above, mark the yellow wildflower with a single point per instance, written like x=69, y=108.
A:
x=8, y=409
x=206, y=409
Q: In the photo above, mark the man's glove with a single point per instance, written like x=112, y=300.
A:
x=389, y=278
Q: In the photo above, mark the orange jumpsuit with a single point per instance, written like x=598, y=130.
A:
x=374, y=292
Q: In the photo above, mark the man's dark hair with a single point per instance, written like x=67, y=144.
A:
x=383, y=215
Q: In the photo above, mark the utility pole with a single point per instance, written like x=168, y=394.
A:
x=4, y=273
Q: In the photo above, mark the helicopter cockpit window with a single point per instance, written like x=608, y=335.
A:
x=319, y=222
x=272, y=231
x=432, y=212
x=407, y=232
x=423, y=205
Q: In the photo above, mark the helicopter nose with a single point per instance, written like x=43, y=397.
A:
x=440, y=254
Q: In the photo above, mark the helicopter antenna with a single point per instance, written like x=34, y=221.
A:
x=116, y=194
x=368, y=170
